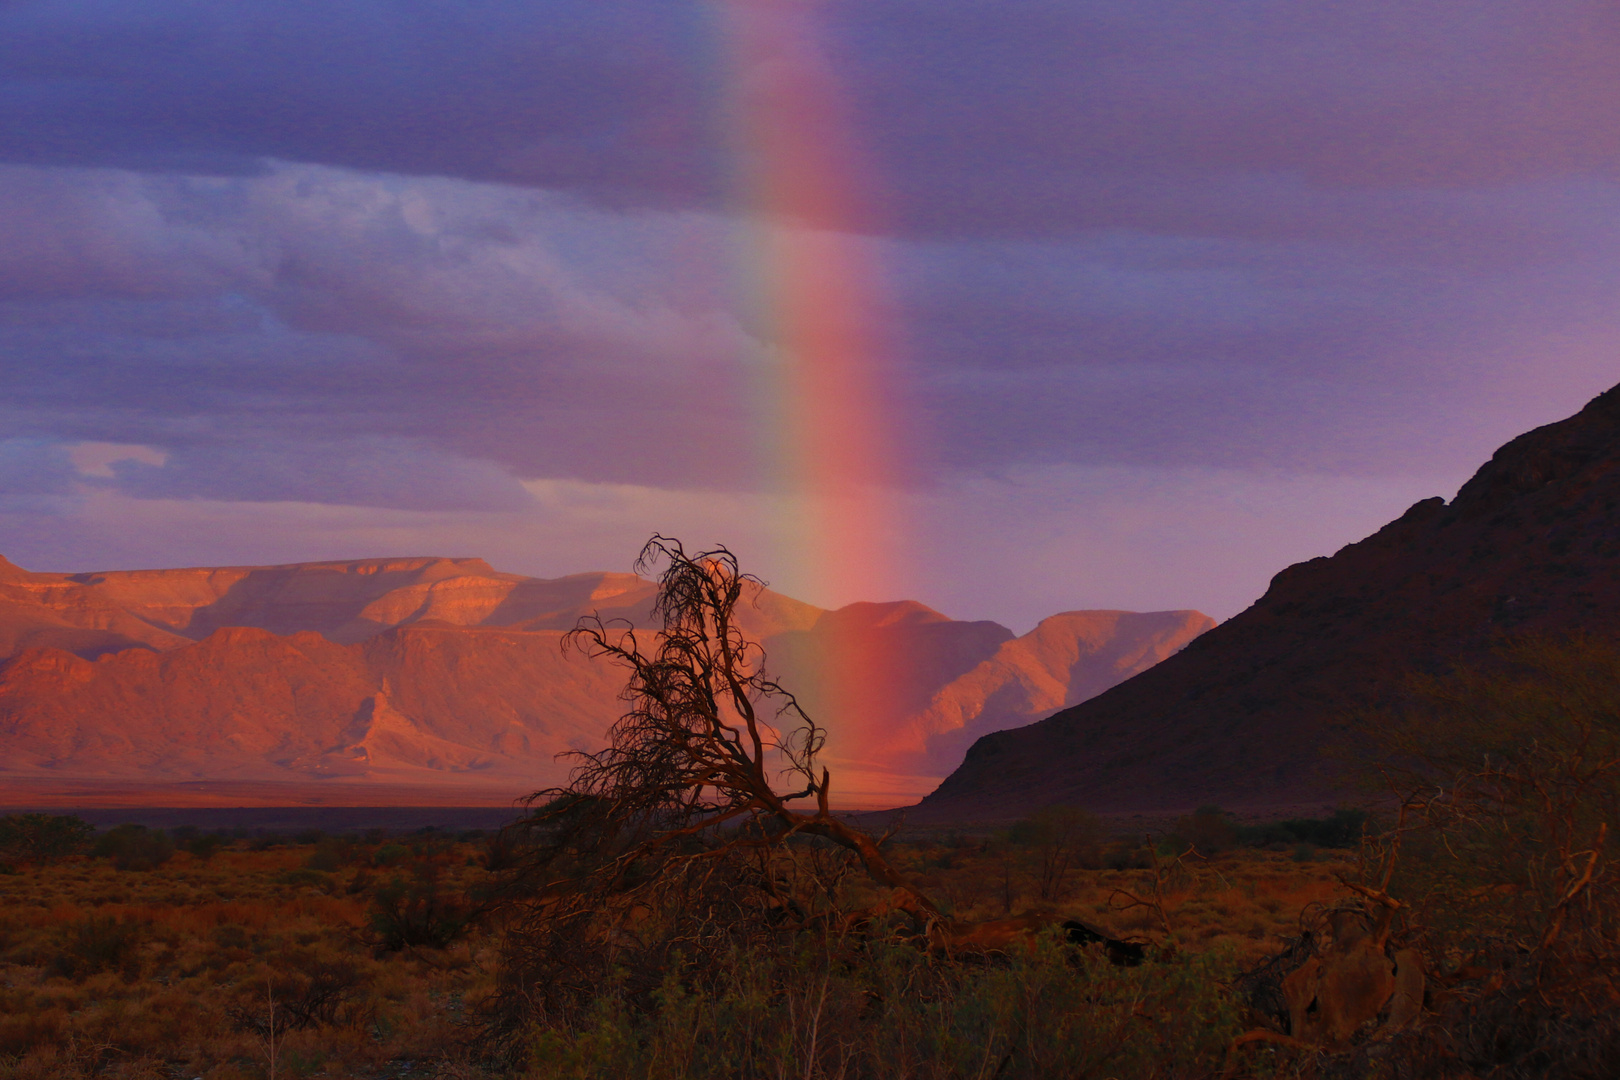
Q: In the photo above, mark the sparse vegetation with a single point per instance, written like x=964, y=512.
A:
x=165, y=972
x=670, y=905
x=1500, y=868
x=37, y=839
x=671, y=915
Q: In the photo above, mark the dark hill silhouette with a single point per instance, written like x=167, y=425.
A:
x=1238, y=718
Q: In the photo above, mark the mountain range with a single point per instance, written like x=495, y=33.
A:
x=442, y=678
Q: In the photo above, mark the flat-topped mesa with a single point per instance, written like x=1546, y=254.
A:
x=10, y=571
x=331, y=597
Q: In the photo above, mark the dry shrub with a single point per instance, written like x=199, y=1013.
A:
x=309, y=993
x=1062, y=839
x=419, y=912
x=37, y=839
x=98, y=943
x=1504, y=858
x=557, y=959
x=69, y=1011
x=21, y=1033
x=830, y=1006
x=1499, y=871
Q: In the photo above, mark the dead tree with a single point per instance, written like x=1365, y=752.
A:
x=677, y=829
x=710, y=741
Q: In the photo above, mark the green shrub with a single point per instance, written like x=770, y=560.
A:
x=390, y=855
x=1061, y=839
x=41, y=838
x=204, y=847
x=1126, y=855
x=1505, y=857
x=1341, y=829
x=134, y=847
x=328, y=856
x=1209, y=829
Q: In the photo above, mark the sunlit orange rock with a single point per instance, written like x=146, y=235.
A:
x=423, y=672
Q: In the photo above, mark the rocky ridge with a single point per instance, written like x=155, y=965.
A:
x=1241, y=716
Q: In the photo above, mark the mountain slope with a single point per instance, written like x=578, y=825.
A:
x=1239, y=717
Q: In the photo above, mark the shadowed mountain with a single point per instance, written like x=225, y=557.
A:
x=1239, y=717
x=434, y=671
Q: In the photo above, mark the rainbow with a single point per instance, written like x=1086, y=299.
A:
x=830, y=415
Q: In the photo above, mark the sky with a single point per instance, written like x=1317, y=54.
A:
x=1009, y=307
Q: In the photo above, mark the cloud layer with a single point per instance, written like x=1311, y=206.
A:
x=437, y=264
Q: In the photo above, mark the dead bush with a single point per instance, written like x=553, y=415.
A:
x=419, y=912
x=314, y=993
x=1062, y=839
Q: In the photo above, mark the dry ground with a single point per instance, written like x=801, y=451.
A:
x=170, y=972
x=1248, y=900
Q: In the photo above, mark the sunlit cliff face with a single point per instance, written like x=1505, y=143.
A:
x=445, y=673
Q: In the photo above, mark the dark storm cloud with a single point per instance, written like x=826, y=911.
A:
x=577, y=94
x=1019, y=116
x=1119, y=114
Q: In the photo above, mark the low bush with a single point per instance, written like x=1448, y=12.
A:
x=418, y=913
x=390, y=855
x=97, y=943
x=330, y=855
x=1208, y=830
x=1341, y=829
x=309, y=993
x=173, y=978
x=202, y=846
x=304, y=876
x=1061, y=839
x=41, y=838
x=134, y=847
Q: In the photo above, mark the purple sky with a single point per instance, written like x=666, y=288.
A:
x=1187, y=290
